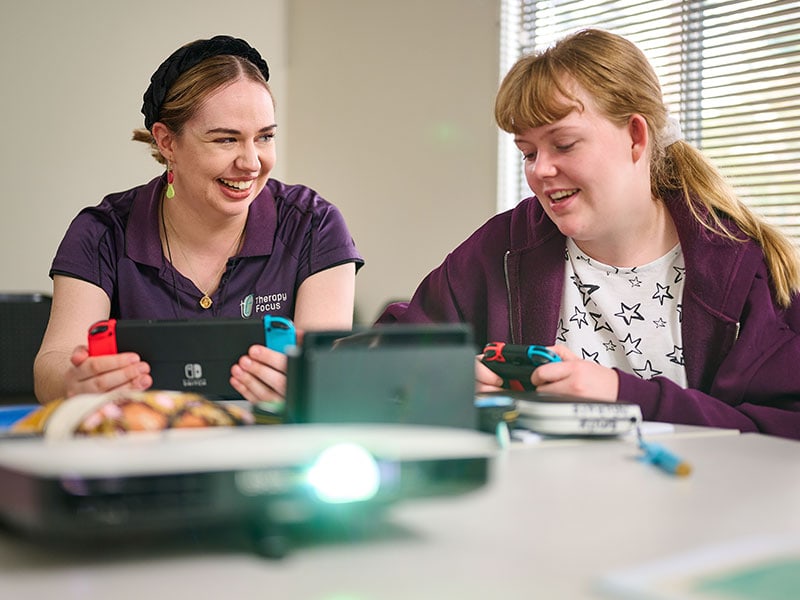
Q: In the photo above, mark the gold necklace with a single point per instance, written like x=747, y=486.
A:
x=205, y=300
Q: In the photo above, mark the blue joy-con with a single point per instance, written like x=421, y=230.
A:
x=279, y=333
x=539, y=355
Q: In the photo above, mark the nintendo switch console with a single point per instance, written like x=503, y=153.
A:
x=515, y=363
x=191, y=355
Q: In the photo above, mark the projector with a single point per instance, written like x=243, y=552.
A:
x=269, y=479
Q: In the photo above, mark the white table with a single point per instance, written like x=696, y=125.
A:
x=554, y=520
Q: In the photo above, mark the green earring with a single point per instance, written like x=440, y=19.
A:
x=170, y=193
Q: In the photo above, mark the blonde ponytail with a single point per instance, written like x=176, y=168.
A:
x=685, y=168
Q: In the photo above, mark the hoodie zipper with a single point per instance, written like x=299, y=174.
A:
x=508, y=294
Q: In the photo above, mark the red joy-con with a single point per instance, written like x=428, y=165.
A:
x=103, y=338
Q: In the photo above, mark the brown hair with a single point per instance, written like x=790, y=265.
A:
x=536, y=92
x=193, y=87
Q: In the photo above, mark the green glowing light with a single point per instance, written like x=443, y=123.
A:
x=344, y=473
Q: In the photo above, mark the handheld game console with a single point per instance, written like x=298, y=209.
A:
x=515, y=363
x=191, y=355
x=279, y=333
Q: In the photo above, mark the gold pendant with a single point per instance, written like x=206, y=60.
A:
x=205, y=301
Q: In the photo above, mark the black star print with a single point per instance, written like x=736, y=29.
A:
x=660, y=323
x=579, y=318
x=662, y=293
x=579, y=256
x=610, y=346
x=647, y=372
x=679, y=308
x=629, y=313
x=676, y=356
x=679, y=273
x=598, y=325
x=562, y=331
x=635, y=282
x=633, y=345
x=593, y=356
x=586, y=290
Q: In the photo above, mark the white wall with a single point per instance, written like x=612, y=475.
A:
x=384, y=106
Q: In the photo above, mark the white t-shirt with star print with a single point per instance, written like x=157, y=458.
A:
x=629, y=318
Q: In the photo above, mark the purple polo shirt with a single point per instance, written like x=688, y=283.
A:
x=291, y=233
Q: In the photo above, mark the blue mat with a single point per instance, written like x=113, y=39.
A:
x=11, y=414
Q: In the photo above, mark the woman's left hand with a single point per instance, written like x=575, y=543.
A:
x=575, y=376
x=260, y=375
x=486, y=380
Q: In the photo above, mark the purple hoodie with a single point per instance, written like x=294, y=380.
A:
x=741, y=350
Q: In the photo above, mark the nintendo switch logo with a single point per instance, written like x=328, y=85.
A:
x=193, y=376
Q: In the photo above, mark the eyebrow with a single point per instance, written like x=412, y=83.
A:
x=554, y=129
x=225, y=130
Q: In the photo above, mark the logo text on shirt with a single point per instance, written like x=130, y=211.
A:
x=262, y=303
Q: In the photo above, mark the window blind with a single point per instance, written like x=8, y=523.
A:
x=729, y=70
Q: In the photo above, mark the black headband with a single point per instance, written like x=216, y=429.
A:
x=185, y=58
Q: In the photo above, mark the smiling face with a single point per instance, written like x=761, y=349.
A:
x=590, y=175
x=224, y=154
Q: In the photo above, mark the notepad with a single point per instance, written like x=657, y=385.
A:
x=558, y=414
x=649, y=429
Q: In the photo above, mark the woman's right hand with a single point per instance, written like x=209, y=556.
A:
x=260, y=375
x=95, y=374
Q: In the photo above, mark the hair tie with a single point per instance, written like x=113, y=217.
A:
x=183, y=59
x=672, y=131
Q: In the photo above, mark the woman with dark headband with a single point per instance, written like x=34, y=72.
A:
x=213, y=236
x=634, y=259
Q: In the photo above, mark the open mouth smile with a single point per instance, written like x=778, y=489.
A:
x=561, y=195
x=239, y=186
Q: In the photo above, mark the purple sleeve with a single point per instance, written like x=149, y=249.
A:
x=663, y=400
x=756, y=387
x=331, y=242
x=433, y=302
x=468, y=287
x=312, y=230
x=85, y=252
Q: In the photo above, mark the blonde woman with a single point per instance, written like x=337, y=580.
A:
x=634, y=260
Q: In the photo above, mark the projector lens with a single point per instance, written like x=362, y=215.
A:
x=344, y=473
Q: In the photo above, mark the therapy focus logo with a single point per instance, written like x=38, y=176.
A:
x=246, y=306
x=266, y=303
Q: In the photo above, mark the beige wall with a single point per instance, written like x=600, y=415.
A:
x=384, y=106
x=391, y=119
